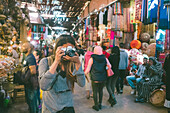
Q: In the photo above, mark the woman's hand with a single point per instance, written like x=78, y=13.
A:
x=59, y=54
x=74, y=59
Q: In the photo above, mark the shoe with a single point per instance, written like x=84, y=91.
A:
x=141, y=100
x=133, y=92
x=95, y=108
x=100, y=106
x=113, y=102
x=109, y=100
x=121, y=91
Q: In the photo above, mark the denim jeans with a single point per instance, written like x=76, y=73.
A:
x=129, y=80
x=31, y=99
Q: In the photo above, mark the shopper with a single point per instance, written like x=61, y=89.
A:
x=167, y=70
x=88, y=81
x=31, y=88
x=154, y=73
x=104, y=52
x=123, y=64
x=97, y=68
x=114, y=59
x=137, y=76
x=36, y=54
x=57, y=75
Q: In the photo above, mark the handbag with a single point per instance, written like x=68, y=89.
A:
x=109, y=71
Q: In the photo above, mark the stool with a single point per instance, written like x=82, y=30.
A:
x=18, y=89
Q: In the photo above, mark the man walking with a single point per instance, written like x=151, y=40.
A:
x=123, y=64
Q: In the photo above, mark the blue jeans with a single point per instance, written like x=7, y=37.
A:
x=129, y=80
x=31, y=99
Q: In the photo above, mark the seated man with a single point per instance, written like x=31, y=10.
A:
x=138, y=76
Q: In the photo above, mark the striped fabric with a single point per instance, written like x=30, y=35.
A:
x=138, y=5
x=167, y=40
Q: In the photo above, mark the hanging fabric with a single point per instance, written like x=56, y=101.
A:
x=111, y=38
x=152, y=10
x=163, y=23
x=125, y=19
x=97, y=21
x=138, y=6
x=167, y=40
x=109, y=16
x=101, y=17
x=105, y=17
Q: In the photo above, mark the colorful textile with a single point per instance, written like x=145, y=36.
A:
x=167, y=40
x=109, y=16
x=153, y=9
x=132, y=11
x=118, y=8
x=113, y=22
x=138, y=6
x=125, y=19
x=164, y=23
x=101, y=17
x=111, y=38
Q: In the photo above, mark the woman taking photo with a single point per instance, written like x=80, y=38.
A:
x=57, y=75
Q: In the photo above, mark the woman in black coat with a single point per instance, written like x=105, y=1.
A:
x=114, y=59
x=167, y=70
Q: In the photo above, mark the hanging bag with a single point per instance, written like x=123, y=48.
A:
x=109, y=70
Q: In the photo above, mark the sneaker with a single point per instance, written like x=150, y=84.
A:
x=141, y=100
x=121, y=91
x=100, y=106
x=133, y=92
x=113, y=102
x=96, y=108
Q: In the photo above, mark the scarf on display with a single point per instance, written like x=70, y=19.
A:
x=138, y=6
x=118, y=8
x=167, y=40
x=164, y=22
x=105, y=17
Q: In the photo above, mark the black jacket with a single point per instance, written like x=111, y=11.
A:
x=98, y=69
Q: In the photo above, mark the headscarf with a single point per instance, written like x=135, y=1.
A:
x=98, y=50
x=156, y=67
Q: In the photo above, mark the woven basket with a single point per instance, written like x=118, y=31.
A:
x=157, y=97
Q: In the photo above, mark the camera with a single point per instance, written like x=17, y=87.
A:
x=70, y=51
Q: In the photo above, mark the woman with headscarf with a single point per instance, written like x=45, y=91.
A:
x=88, y=82
x=154, y=72
x=114, y=59
x=97, y=68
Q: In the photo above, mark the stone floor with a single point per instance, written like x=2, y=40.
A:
x=82, y=105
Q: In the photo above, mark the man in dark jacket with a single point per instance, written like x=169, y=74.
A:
x=30, y=88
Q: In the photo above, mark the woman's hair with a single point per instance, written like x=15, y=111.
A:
x=68, y=66
x=115, y=50
x=64, y=39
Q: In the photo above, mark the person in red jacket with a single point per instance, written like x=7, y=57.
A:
x=104, y=52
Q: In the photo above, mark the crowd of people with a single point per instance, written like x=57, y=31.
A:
x=56, y=74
